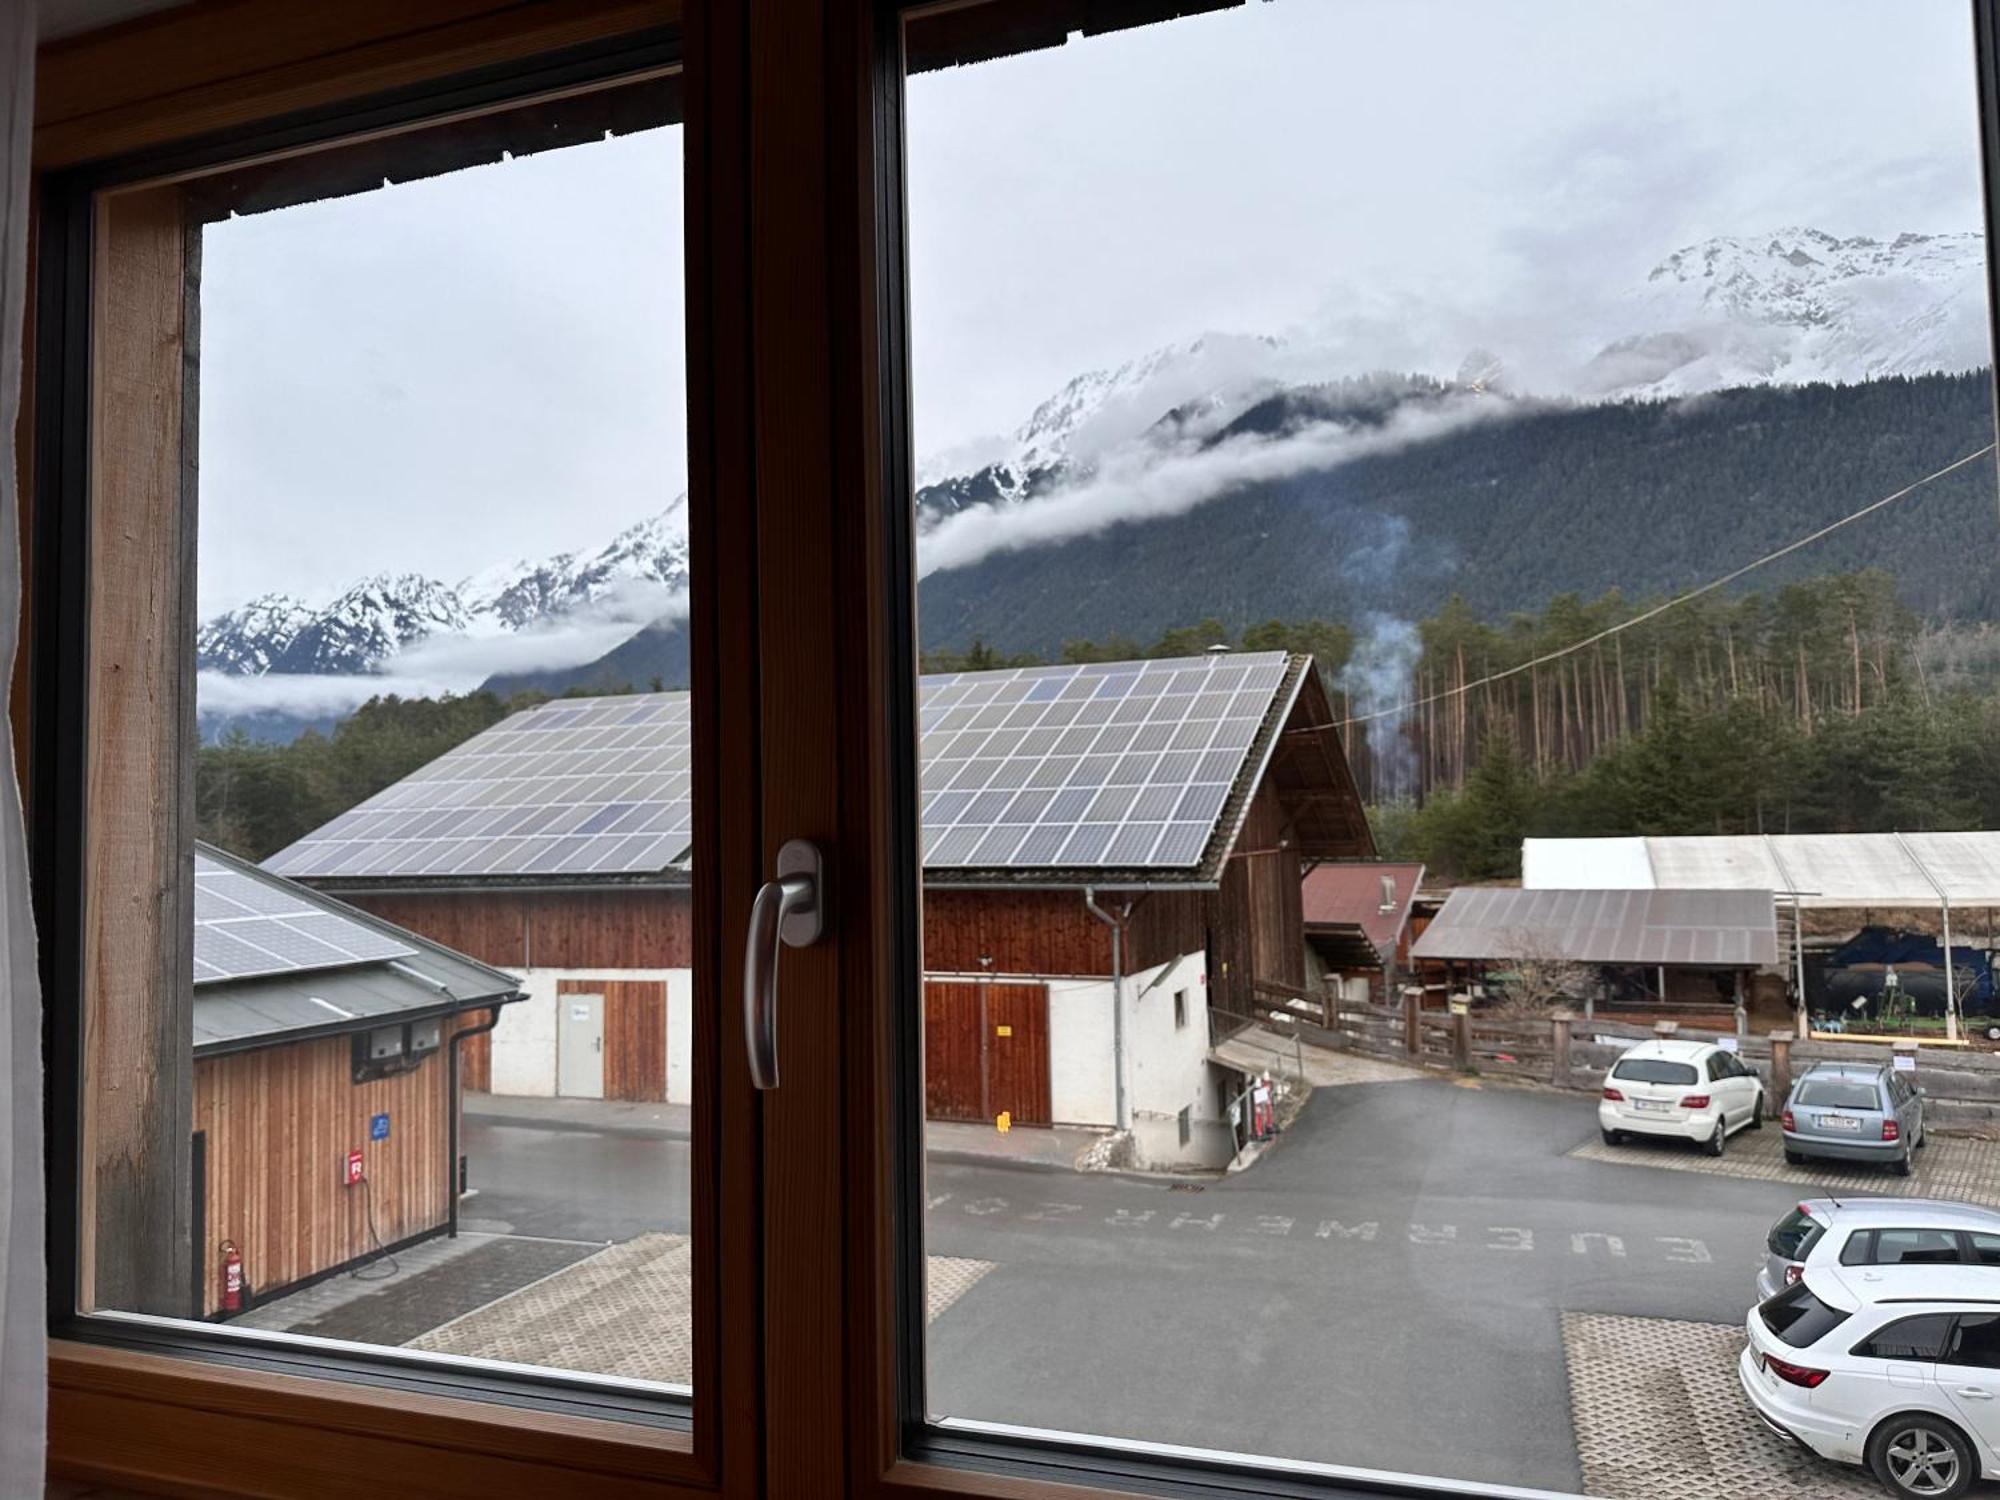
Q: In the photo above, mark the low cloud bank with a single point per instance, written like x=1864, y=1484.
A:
x=1146, y=482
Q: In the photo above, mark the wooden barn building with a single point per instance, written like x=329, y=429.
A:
x=1113, y=853
x=324, y=1120
x=1358, y=926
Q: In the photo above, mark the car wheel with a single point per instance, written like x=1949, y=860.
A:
x=1719, y=1142
x=1794, y=1158
x=1757, y=1114
x=1920, y=1455
x=1613, y=1137
x=1922, y=1139
x=1901, y=1165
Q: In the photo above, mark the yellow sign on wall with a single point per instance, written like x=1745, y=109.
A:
x=1003, y=1031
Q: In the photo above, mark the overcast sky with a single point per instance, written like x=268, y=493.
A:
x=453, y=373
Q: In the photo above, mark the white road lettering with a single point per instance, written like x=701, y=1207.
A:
x=1613, y=1245
x=1425, y=1234
x=1274, y=1224
x=1124, y=1218
x=1328, y=1228
x=1196, y=1221
x=940, y=1201
x=985, y=1206
x=1510, y=1239
x=1687, y=1251
x=1042, y=1211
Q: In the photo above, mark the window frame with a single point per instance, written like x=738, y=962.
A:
x=916, y=1455
x=463, y=1426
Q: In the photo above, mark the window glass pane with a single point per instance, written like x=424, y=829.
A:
x=1518, y=477
x=1792, y=1236
x=1976, y=1342
x=1986, y=1249
x=434, y=1060
x=1910, y=1338
x=1800, y=1318
x=1914, y=1247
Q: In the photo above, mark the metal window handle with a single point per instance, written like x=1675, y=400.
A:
x=788, y=911
x=1975, y=1393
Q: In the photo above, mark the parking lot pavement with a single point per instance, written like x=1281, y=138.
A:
x=1659, y=1416
x=1959, y=1167
x=1386, y=1289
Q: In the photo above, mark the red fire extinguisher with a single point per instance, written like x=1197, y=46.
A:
x=232, y=1278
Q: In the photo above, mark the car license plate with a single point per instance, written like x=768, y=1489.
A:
x=1839, y=1122
x=1653, y=1104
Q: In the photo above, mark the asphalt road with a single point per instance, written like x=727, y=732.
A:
x=1383, y=1290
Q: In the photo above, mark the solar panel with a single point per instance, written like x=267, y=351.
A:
x=579, y=786
x=1109, y=765
x=245, y=928
x=1101, y=765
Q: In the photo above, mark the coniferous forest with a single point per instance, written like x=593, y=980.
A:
x=1822, y=706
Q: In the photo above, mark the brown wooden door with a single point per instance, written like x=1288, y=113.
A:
x=1017, y=1052
x=954, y=1073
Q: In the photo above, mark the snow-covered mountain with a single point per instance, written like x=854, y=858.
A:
x=370, y=622
x=1799, y=305
x=1788, y=307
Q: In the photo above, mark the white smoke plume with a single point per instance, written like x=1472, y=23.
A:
x=1380, y=675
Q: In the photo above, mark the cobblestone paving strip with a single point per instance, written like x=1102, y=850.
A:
x=625, y=1311
x=1957, y=1167
x=1660, y=1415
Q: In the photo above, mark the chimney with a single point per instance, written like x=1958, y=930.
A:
x=1388, y=893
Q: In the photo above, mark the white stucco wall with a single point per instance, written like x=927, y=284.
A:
x=1167, y=1067
x=524, y=1043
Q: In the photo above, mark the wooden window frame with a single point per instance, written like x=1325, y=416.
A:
x=106, y=424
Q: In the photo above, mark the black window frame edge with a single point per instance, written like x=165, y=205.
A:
x=1079, y=1459
x=57, y=657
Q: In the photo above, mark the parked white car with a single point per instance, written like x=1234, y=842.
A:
x=1695, y=1091
x=1905, y=1380
x=1853, y=1237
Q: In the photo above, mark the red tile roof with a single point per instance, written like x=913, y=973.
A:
x=1350, y=896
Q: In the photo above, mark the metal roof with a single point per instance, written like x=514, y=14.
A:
x=406, y=977
x=1726, y=928
x=1118, y=774
x=1370, y=900
x=1912, y=870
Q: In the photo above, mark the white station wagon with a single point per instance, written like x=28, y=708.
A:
x=1693, y=1091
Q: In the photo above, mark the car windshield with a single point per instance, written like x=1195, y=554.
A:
x=1799, y=1318
x=1795, y=1234
x=1839, y=1093
x=1654, y=1070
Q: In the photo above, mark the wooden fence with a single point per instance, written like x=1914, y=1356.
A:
x=1961, y=1086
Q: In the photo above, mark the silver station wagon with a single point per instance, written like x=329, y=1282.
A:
x=1854, y=1112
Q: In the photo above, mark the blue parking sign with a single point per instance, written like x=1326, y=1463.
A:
x=378, y=1128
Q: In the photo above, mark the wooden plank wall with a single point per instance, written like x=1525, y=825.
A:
x=635, y=1034
x=280, y=1121
x=954, y=1087
x=1017, y=1052
x=1256, y=928
x=475, y=1058
x=610, y=928
x=1052, y=932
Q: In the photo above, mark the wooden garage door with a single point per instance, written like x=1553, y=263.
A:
x=1017, y=1052
x=986, y=1050
x=954, y=1087
x=635, y=1035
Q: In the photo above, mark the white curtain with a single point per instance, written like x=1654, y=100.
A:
x=23, y=1312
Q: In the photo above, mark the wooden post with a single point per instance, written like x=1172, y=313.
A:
x=1413, y=1009
x=1559, y=1029
x=1781, y=1072
x=1461, y=1039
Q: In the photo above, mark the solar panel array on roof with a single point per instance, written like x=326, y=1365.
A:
x=1108, y=765
x=244, y=928
x=1100, y=766
x=578, y=786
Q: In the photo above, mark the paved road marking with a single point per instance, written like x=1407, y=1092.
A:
x=1498, y=1239
x=1659, y=1415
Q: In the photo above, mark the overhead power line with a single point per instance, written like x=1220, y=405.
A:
x=1674, y=603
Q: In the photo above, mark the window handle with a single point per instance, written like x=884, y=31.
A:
x=788, y=911
x=1975, y=1393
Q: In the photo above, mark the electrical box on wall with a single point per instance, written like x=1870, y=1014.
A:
x=351, y=1170
x=388, y=1050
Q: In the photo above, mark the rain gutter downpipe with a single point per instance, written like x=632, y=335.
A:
x=451, y=1161
x=1117, y=926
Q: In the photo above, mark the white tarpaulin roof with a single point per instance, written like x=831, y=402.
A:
x=1823, y=869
